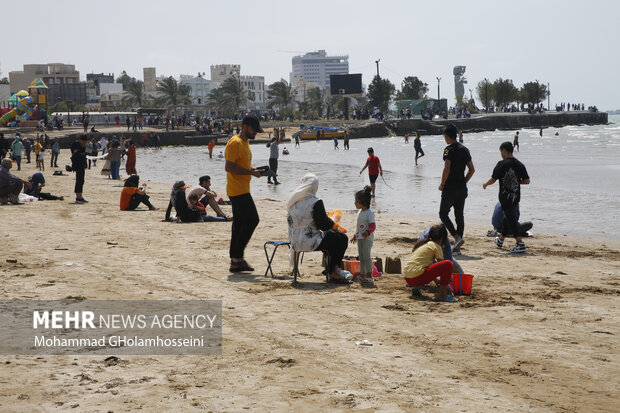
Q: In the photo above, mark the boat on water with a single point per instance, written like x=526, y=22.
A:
x=325, y=132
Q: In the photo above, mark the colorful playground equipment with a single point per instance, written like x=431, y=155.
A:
x=24, y=102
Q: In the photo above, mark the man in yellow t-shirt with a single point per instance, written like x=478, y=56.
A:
x=239, y=172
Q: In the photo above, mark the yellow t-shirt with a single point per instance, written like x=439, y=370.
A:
x=422, y=258
x=238, y=152
x=37, y=148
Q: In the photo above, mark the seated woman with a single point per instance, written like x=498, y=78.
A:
x=195, y=205
x=178, y=201
x=37, y=182
x=310, y=229
x=422, y=269
x=132, y=195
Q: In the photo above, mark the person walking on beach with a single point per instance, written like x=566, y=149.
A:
x=346, y=140
x=453, y=184
x=16, y=151
x=374, y=169
x=130, y=165
x=78, y=163
x=515, y=142
x=417, y=145
x=511, y=174
x=406, y=138
x=239, y=172
x=336, y=142
x=55, y=153
x=297, y=141
x=274, y=153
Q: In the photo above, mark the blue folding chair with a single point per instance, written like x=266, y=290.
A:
x=270, y=259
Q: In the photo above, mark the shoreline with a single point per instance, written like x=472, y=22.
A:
x=537, y=333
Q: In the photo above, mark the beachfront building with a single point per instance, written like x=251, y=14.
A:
x=50, y=73
x=150, y=79
x=200, y=87
x=99, y=78
x=255, y=87
x=219, y=73
x=5, y=94
x=316, y=67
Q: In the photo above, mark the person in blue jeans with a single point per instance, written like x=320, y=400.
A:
x=16, y=151
x=114, y=156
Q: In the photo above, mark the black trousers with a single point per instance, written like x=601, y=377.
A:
x=79, y=180
x=27, y=155
x=47, y=196
x=453, y=198
x=13, y=188
x=510, y=225
x=54, y=159
x=335, y=245
x=245, y=221
x=273, y=165
x=137, y=199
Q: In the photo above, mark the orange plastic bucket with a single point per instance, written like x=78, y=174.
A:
x=462, y=283
x=353, y=265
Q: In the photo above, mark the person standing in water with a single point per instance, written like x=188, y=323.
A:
x=274, y=153
x=374, y=169
x=417, y=145
x=515, y=142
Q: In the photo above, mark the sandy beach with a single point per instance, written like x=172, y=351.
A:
x=538, y=333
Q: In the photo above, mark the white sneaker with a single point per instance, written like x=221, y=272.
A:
x=499, y=243
x=458, y=241
x=519, y=248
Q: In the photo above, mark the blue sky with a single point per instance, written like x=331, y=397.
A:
x=573, y=45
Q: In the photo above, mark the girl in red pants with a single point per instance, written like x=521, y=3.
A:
x=422, y=269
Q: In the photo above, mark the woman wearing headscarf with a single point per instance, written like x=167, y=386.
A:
x=310, y=229
x=179, y=202
x=133, y=195
x=130, y=165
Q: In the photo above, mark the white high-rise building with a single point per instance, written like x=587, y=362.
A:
x=316, y=67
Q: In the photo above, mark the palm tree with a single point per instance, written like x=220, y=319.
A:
x=173, y=94
x=134, y=93
x=234, y=91
x=280, y=94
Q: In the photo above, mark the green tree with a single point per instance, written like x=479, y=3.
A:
x=505, y=92
x=172, y=93
x=234, y=91
x=134, y=94
x=486, y=93
x=533, y=92
x=280, y=94
x=412, y=88
x=4, y=81
x=125, y=79
x=316, y=101
x=380, y=91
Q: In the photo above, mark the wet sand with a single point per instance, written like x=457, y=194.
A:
x=539, y=332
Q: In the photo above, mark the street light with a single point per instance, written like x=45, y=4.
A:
x=486, y=95
x=438, y=81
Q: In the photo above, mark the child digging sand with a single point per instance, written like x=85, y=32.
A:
x=421, y=268
x=364, y=235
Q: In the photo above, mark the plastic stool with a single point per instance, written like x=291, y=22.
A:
x=270, y=260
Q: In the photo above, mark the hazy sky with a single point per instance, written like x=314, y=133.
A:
x=573, y=45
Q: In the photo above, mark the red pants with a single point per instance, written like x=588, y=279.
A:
x=442, y=269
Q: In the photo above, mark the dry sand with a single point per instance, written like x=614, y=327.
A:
x=539, y=333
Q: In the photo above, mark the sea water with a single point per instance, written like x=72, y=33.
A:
x=575, y=175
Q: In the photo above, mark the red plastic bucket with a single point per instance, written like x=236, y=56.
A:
x=462, y=283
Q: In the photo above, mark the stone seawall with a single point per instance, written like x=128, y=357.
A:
x=500, y=121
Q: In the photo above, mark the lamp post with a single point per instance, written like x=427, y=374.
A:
x=377, y=62
x=438, y=81
x=486, y=95
x=548, y=97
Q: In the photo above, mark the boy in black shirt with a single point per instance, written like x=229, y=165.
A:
x=454, y=184
x=511, y=175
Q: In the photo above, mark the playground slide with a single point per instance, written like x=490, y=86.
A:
x=25, y=105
